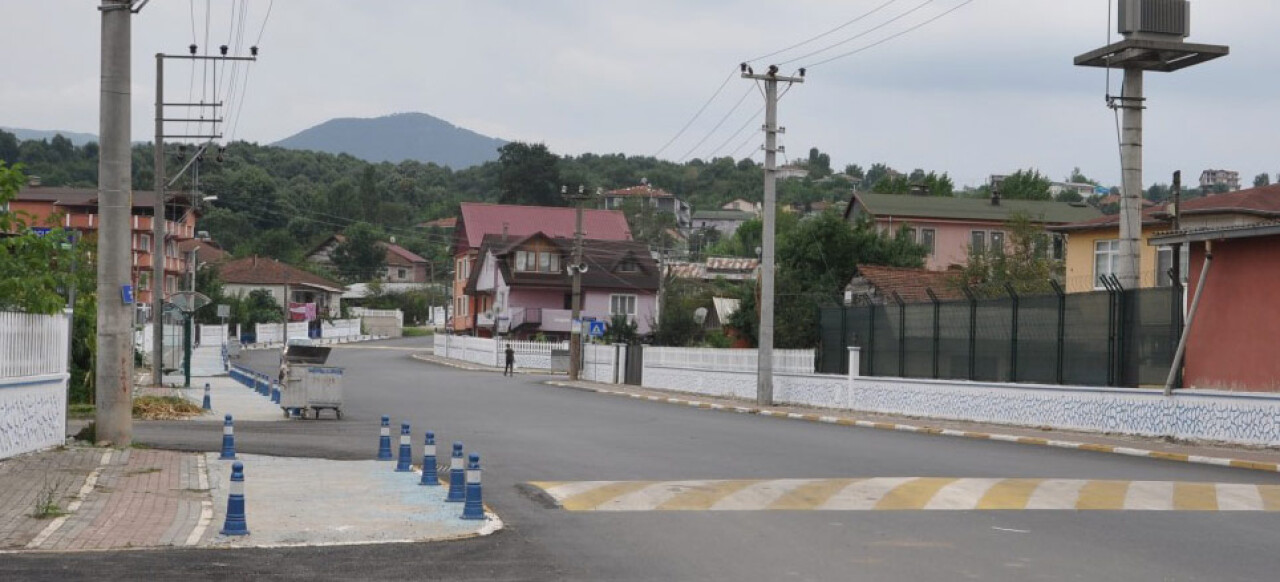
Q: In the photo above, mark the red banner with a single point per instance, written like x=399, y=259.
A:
x=302, y=311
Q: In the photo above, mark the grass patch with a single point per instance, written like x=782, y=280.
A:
x=81, y=411
x=164, y=408
x=46, y=505
x=419, y=332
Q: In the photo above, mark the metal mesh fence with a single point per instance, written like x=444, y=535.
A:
x=1103, y=338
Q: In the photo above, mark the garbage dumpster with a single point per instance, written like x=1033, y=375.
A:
x=309, y=385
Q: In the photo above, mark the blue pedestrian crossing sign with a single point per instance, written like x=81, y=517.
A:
x=596, y=329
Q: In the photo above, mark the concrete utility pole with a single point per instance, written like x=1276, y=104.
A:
x=1153, y=41
x=112, y=376
x=764, y=375
x=575, y=325
x=158, y=257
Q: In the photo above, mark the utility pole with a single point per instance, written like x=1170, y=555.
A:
x=764, y=375
x=112, y=375
x=158, y=257
x=575, y=323
x=1154, y=33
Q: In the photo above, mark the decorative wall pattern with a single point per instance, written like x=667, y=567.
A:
x=1199, y=415
x=32, y=413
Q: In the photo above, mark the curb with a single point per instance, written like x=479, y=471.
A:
x=443, y=361
x=1060, y=444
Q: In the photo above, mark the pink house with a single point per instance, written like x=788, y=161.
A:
x=949, y=227
x=526, y=286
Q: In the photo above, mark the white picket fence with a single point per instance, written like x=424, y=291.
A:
x=33, y=381
x=492, y=352
x=340, y=328
x=727, y=360
x=275, y=333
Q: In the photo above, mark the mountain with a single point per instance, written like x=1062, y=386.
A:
x=78, y=139
x=394, y=138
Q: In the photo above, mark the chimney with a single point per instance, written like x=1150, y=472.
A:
x=255, y=260
x=995, y=197
x=504, y=232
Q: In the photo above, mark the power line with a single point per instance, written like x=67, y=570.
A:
x=861, y=34
x=745, y=125
x=891, y=37
x=698, y=114
x=827, y=33
x=717, y=126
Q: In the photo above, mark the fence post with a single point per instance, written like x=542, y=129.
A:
x=973, y=331
x=871, y=341
x=902, y=335
x=1112, y=309
x=1176, y=322
x=844, y=332
x=937, y=328
x=1013, y=335
x=1121, y=332
x=1062, y=330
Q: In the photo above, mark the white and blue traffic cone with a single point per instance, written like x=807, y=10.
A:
x=384, y=440
x=457, y=476
x=429, y=476
x=228, y=440
x=474, y=507
x=235, y=525
x=405, y=461
x=208, y=403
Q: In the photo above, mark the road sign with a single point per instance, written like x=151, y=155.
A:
x=224, y=311
x=576, y=326
x=126, y=294
x=41, y=231
x=597, y=329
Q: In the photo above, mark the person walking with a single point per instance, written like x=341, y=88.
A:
x=511, y=362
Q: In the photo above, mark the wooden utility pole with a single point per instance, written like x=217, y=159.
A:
x=576, y=269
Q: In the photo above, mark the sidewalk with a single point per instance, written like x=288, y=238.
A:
x=1203, y=453
x=137, y=498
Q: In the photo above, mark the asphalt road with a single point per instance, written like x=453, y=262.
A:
x=528, y=431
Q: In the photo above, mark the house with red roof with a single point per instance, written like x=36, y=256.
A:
x=658, y=198
x=478, y=220
x=878, y=285
x=1231, y=342
x=526, y=290
x=401, y=265
x=244, y=276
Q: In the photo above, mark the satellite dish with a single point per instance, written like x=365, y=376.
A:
x=700, y=315
x=188, y=301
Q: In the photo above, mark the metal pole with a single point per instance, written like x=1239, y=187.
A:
x=157, y=237
x=937, y=329
x=902, y=335
x=973, y=332
x=1062, y=330
x=186, y=350
x=1013, y=334
x=1191, y=315
x=71, y=331
x=1132, y=103
x=113, y=374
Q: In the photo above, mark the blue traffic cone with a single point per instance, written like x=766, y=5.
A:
x=228, y=440
x=384, y=440
x=474, y=507
x=208, y=403
x=429, y=476
x=235, y=525
x=456, y=475
x=404, y=463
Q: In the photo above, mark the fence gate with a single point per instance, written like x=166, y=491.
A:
x=635, y=364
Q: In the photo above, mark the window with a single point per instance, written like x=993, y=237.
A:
x=1164, y=263
x=1106, y=257
x=1059, y=249
x=622, y=305
x=927, y=236
x=537, y=261
x=628, y=266
x=401, y=273
x=462, y=269
x=978, y=242
x=522, y=261
x=144, y=281
x=911, y=235
x=144, y=242
x=997, y=241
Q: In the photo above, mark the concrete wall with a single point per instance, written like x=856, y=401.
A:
x=1238, y=418
x=382, y=325
x=33, y=382
x=1232, y=342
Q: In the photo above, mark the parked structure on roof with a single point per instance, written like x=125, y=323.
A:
x=480, y=220
x=949, y=228
x=1230, y=343
x=522, y=286
x=656, y=197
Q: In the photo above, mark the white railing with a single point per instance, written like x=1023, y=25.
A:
x=492, y=352
x=728, y=360
x=272, y=333
x=32, y=345
x=362, y=312
x=340, y=328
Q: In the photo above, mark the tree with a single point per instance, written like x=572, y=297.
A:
x=370, y=201
x=819, y=164
x=1261, y=180
x=1026, y=185
x=1023, y=261
x=361, y=257
x=35, y=267
x=1078, y=177
x=621, y=330
x=854, y=171
x=648, y=224
x=877, y=172
x=1159, y=192
x=530, y=174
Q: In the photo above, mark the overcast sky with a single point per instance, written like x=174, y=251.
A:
x=987, y=89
